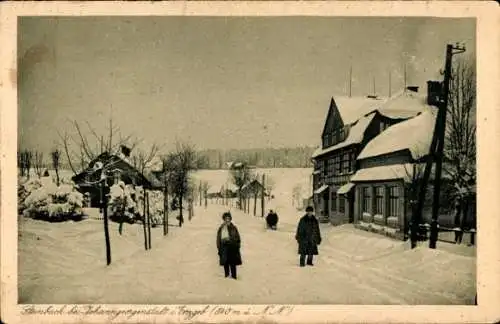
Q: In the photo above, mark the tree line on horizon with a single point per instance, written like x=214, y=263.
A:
x=298, y=157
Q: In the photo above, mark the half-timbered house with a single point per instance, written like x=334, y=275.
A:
x=350, y=124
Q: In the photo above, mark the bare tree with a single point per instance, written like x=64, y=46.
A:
x=204, y=189
x=414, y=175
x=241, y=175
x=56, y=154
x=25, y=159
x=142, y=160
x=460, y=141
x=296, y=194
x=270, y=184
x=180, y=164
x=86, y=144
x=38, y=163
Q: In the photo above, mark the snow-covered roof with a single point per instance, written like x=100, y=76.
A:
x=321, y=189
x=356, y=134
x=386, y=172
x=345, y=188
x=352, y=108
x=414, y=134
x=406, y=104
x=317, y=151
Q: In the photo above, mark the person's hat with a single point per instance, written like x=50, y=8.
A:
x=227, y=215
x=309, y=209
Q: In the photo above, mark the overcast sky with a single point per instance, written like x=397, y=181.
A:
x=218, y=82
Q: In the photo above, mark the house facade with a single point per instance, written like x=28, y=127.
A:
x=350, y=124
x=390, y=167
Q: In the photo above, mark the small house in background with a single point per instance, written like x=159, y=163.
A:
x=351, y=123
x=119, y=170
x=253, y=187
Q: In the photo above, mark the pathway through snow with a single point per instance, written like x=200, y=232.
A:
x=353, y=268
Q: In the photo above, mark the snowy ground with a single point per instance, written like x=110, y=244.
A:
x=65, y=263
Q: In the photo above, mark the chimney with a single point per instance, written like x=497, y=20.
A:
x=125, y=150
x=412, y=88
x=434, y=89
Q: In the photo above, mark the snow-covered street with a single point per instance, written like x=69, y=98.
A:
x=354, y=267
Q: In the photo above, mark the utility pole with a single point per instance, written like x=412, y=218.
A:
x=390, y=84
x=450, y=51
x=104, y=201
x=404, y=77
x=165, y=204
x=263, y=195
x=144, y=220
x=435, y=155
x=350, y=81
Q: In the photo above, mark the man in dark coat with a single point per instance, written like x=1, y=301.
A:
x=272, y=220
x=308, y=236
x=228, y=246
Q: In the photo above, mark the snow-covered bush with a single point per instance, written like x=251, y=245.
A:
x=25, y=188
x=121, y=204
x=156, y=207
x=53, y=203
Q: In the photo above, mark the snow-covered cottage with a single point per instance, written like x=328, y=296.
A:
x=350, y=124
x=388, y=166
x=121, y=170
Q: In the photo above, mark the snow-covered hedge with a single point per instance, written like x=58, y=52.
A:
x=122, y=206
x=127, y=204
x=45, y=200
x=156, y=207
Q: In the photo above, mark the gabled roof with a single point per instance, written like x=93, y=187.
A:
x=118, y=163
x=152, y=177
x=403, y=105
x=414, y=135
x=356, y=134
x=353, y=108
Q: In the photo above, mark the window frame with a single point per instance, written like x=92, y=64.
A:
x=379, y=200
x=346, y=163
x=366, y=199
x=394, y=195
x=341, y=204
x=333, y=198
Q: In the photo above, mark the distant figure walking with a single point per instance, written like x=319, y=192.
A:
x=228, y=246
x=308, y=236
x=272, y=220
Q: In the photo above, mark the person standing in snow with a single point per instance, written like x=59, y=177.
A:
x=308, y=236
x=228, y=246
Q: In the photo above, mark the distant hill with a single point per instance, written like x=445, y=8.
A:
x=299, y=157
